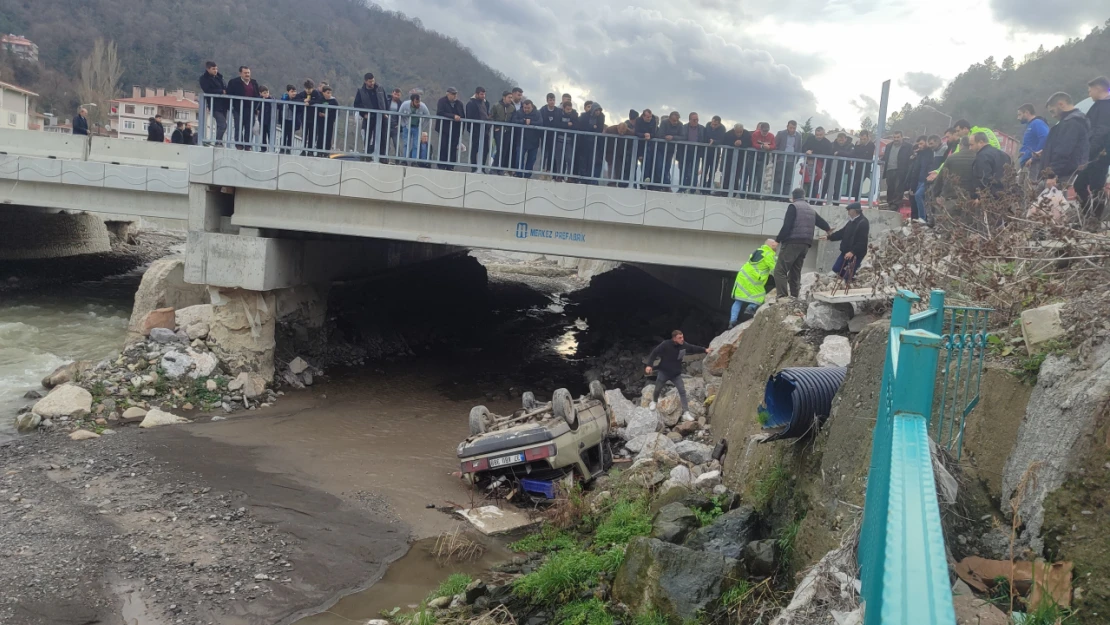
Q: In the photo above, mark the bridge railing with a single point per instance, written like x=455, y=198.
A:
x=572, y=155
x=903, y=565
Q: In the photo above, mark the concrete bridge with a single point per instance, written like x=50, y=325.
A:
x=264, y=221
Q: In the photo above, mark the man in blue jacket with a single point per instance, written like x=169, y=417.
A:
x=1036, y=132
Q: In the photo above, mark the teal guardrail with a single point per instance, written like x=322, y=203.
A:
x=903, y=567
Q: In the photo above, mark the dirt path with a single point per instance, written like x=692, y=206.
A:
x=258, y=519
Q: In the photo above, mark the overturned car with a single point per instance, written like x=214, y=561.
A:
x=540, y=444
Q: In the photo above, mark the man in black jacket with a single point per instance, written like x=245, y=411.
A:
x=989, y=166
x=817, y=146
x=1091, y=181
x=306, y=116
x=714, y=135
x=740, y=165
x=853, y=242
x=590, y=153
x=155, y=131
x=244, y=111
x=212, y=83
x=178, y=135
x=81, y=122
x=670, y=354
x=450, y=129
x=646, y=128
x=1068, y=145
x=896, y=164
x=370, y=97
x=478, y=109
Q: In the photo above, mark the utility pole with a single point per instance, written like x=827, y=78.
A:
x=880, y=130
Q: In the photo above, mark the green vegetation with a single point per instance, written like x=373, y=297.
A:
x=706, y=517
x=98, y=392
x=567, y=573
x=998, y=347
x=624, y=521
x=589, y=612
x=649, y=618
x=199, y=395
x=422, y=615
x=547, y=540
x=763, y=416
x=769, y=485
x=451, y=586
x=1048, y=612
x=786, y=539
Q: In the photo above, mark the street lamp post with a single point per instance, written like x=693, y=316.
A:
x=933, y=109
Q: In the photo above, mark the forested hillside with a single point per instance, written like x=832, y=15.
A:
x=989, y=93
x=165, y=43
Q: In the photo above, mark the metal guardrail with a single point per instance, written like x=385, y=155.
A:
x=571, y=155
x=904, y=570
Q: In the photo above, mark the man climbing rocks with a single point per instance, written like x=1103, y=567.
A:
x=751, y=285
x=670, y=354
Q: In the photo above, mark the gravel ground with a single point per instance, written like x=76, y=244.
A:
x=128, y=528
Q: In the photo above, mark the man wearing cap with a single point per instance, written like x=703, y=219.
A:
x=750, y=288
x=450, y=128
x=853, y=243
x=795, y=237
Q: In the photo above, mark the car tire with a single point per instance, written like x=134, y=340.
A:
x=528, y=400
x=597, y=390
x=480, y=420
x=562, y=405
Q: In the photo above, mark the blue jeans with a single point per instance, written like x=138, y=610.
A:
x=527, y=161
x=739, y=305
x=919, y=196
x=413, y=148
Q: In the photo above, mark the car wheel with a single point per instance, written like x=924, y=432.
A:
x=480, y=420
x=597, y=390
x=562, y=404
x=528, y=399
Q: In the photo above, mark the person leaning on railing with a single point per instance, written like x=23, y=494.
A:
x=529, y=142
x=503, y=136
x=620, y=151
x=591, y=149
x=212, y=83
x=414, y=123
x=478, y=109
x=306, y=115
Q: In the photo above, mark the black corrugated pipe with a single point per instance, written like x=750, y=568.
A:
x=795, y=397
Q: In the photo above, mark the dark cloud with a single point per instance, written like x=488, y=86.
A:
x=634, y=57
x=866, y=105
x=1063, y=17
x=921, y=83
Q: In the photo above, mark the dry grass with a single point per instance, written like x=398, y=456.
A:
x=454, y=546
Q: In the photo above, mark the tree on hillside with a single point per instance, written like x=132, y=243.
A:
x=865, y=123
x=98, y=81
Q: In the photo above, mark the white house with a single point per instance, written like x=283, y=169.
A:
x=130, y=115
x=15, y=107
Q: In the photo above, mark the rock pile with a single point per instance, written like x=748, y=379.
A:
x=172, y=368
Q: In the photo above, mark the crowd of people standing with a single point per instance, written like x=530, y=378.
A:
x=524, y=138
x=968, y=161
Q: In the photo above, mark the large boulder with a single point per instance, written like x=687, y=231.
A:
x=163, y=286
x=836, y=351
x=670, y=408
x=828, y=317
x=158, y=318
x=721, y=349
x=620, y=406
x=70, y=372
x=673, y=523
x=195, y=320
x=176, y=364
x=728, y=534
x=27, y=422
x=694, y=452
x=204, y=363
x=63, y=401
x=650, y=443
x=677, y=582
x=156, y=417
x=641, y=421
x=759, y=557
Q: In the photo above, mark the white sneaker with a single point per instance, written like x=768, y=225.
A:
x=686, y=416
x=651, y=406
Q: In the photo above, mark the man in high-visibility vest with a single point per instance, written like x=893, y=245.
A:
x=751, y=285
x=963, y=128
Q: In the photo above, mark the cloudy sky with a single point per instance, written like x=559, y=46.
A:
x=748, y=60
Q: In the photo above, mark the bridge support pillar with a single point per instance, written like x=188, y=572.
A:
x=31, y=234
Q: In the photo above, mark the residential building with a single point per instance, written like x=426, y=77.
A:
x=20, y=46
x=130, y=116
x=15, y=107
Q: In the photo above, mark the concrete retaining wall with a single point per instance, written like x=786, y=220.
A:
x=30, y=234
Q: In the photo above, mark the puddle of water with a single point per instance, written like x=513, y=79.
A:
x=407, y=582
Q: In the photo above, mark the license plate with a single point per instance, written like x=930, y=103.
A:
x=506, y=460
